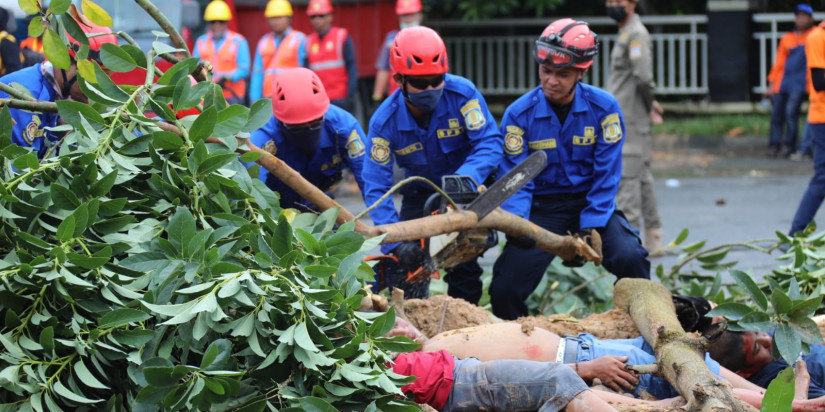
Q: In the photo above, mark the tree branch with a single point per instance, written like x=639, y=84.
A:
x=14, y=93
x=29, y=105
x=166, y=25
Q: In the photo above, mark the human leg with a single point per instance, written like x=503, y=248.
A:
x=777, y=122
x=507, y=385
x=624, y=255
x=505, y=340
x=629, y=198
x=815, y=192
x=792, y=109
x=806, y=147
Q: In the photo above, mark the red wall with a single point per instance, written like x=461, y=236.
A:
x=367, y=24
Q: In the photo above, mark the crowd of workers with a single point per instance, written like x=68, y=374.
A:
x=433, y=124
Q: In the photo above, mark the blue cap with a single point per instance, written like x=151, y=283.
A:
x=804, y=8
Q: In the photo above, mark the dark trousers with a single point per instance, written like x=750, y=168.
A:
x=813, y=196
x=517, y=272
x=785, y=115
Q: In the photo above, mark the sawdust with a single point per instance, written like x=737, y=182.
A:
x=427, y=314
x=613, y=324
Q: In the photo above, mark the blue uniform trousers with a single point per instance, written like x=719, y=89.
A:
x=786, y=107
x=517, y=272
x=813, y=196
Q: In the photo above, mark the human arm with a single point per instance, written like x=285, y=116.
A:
x=10, y=53
x=261, y=138
x=303, y=59
x=610, y=370
x=377, y=175
x=485, y=139
x=778, y=68
x=243, y=62
x=641, y=58
x=353, y=149
x=514, y=152
x=607, y=169
x=352, y=68
x=256, y=83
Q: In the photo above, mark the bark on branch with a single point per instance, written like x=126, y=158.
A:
x=681, y=359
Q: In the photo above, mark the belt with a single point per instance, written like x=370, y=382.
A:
x=568, y=350
x=561, y=196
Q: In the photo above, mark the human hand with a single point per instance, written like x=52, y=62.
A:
x=656, y=113
x=612, y=371
x=403, y=328
x=412, y=256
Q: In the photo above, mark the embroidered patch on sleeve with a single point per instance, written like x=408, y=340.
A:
x=635, y=49
x=355, y=147
x=514, y=140
x=380, y=152
x=473, y=117
x=612, y=128
x=271, y=148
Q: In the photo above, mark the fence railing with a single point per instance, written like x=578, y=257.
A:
x=503, y=64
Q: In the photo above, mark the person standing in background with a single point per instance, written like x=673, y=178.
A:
x=9, y=49
x=226, y=50
x=331, y=55
x=283, y=48
x=409, y=15
x=631, y=82
x=786, y=83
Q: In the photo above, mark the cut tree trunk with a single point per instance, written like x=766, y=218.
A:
x=680, y=358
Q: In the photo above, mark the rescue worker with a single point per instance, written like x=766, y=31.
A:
x=409, y=15
x=226, y=50
x=283, y=48
x=312, y=137
x=631, y=82
x=331, y=54
x=9, y=49
x=812, y=199
x=580, y=128
x=437, y=124
x=48, y=83
x=787, y=83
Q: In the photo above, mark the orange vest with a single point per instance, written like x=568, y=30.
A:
x=225, y=63
x=33, y=43
x=327, y=60
x=278, y=59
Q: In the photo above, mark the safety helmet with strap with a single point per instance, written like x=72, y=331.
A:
x=299, y=96
x=567, y=43
x=319, y=8
x=278, y=8
x=217, y=10
x=403, y=7
x=418, y=51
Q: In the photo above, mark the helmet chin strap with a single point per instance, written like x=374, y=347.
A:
x=65, y=90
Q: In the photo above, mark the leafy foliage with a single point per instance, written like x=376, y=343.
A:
x=142, y=270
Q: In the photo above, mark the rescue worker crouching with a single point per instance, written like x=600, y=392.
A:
x=279, y=50
x=437, y=124
x=580, y=128
x=312, y=137
x=48, y=83
x=227, y=51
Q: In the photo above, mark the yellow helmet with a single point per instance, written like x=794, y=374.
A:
x=217, y=10
x=278, y=8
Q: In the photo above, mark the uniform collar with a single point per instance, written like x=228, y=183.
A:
x=632, y=22
x=544, y=109
x=282, y=36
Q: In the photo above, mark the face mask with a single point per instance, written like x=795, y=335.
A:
x=425, y=100
x=305, y=139
x=617, y=13
x=405, y=25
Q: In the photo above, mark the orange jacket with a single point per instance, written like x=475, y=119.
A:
x=33, y=43
x=815, y=52
x=225, y=61
x=277, y=59
x=327, y=60
x=790, y=61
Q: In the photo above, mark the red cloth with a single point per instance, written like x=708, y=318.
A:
x=434, y=371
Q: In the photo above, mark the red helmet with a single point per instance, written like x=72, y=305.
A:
x=407, y=7
x=299, y=96
x=95, y=42
x=567, y=43
x=319, y=8
x=419, y=51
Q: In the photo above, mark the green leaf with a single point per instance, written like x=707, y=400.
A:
x=28, y=161
x=55, y=50
x=71, y=112
x=250, y=157
x=203, y=125
x=47, y=338
x=65, y=393
x=167, y=140
x=780, y=393
x=59, y=6
x=86, y=377
x=313, y=404
x=316, y=271
x=215, y=162
x=679, y=239
x=181, y=227
x=807, y=329
x=694, y=246
x=310, y=243
x=209, y=356
x=116, y=58
x=63, y=197
x=259, y=115
x=96, y=13
x=160, y=376
x=87, y=262
x=29, y=6
x=788, y=343
x=36, y=27
x=120, y=317
x=730, y=310
x=746, y=281
x=302, y=338
x=103, y=186
x=396, y=344
x=757, y=321
x=806, y=308
x=781, y=302
x=65, y=231
x=230, y=120
x=382, y=324
x=245, y=326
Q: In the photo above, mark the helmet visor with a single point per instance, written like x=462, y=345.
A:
x=557, y=56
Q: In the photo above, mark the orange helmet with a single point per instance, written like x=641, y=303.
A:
x=418, y=51
x=96, y=42
x=407, y=7
x=567, y=43
x=299, y=96
x=319, y=8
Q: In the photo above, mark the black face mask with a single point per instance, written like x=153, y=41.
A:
x=305, y=139
x=617, y=13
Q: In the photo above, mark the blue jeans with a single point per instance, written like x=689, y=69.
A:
x=638, y=352
x=807, y=144
x=813, y=196
x=512, y=385
x=785, y=113
x=517, y=272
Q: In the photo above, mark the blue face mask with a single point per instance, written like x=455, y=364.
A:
x=405, y=25
x=425, y=100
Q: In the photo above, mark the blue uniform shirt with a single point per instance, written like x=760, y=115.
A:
x=342, y=144
x=462, y=138
x=816, y=368
x=30, y=128
x=583, y=156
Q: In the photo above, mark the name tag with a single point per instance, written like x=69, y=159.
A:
x=410, y=149
x=542, y=144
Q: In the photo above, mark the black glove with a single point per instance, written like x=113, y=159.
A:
x=691, y=311
x=411, y=256
x=577, y=262
x=521, y=242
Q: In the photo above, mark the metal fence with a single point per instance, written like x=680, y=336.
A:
x=503, y=64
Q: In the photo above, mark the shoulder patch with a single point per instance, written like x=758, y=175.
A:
x=473, y=117
x=514, y=140
x=612, y=128
x=380, y=152
x=271, y=148
x=33, y=130
x=355, y=147
x=635, y=49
